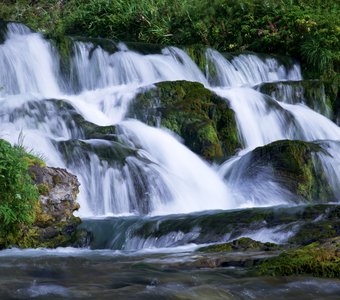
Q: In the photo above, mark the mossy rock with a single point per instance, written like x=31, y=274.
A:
x=321, y=259
x=200, y=117
x=109, y=151
x=242, y=244
x=294, y=165
x=322, y=225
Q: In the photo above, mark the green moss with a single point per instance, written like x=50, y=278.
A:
x=43, y=189
x=200, y=117
x=317, y=259
x=242, y=244
x=296, y=167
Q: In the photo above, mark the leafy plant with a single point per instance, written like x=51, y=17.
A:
x=305, y=29
x=17, y=192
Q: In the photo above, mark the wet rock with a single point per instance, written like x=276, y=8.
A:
x=309, y=92
x=293, y=165
x=54, y=224
x=242, y=244
x=319, y=259
x=204, y=120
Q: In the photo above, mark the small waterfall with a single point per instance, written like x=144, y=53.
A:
x=310, y=93
x=194, y=186
x=30, y=71
x=75, y=117
x=246, y=69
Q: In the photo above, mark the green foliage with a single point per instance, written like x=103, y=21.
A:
x=306, y=29
x=17, y=192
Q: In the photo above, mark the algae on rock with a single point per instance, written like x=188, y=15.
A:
x=203, y=119
x=320, y=259
x=293, y=165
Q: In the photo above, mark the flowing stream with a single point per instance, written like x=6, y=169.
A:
x=45, y=102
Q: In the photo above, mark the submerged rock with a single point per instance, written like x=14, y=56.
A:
x=203, y=119
x=54, y=224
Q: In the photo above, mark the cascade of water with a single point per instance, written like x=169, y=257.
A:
x=30, y=71
x=246, y=69
x=95, y=68
x=193, y=185
x=262, y=120
x=125, y=166
x=295, y=92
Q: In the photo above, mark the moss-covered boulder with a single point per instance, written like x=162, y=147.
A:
x=294, y=166
x=320, y=259
x=200, y=117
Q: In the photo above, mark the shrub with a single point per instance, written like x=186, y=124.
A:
x=305, y=29
x=17, y=191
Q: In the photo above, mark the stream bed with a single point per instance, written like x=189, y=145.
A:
x=69, y=273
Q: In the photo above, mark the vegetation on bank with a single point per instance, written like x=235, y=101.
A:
x=308, y=30
x=18, y=194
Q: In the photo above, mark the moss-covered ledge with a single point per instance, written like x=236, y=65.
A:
x=321, y=259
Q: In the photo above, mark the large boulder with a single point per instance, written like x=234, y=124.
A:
x=203, y=119
x=54, y=224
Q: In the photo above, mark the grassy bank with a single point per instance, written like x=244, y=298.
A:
x=308, y=30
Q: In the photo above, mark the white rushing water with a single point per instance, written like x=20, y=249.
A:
x=162, y=176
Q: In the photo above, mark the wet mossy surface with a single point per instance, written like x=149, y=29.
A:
x=109, y=151
x=321, y=259
x=241, y=244
x=302, y=221
x=294, y=166
x=3, y=31
x=320, y=95
x=309, y=92
x=332, y=91
x=204, y=120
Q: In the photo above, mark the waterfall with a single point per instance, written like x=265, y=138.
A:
x=76, y=119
